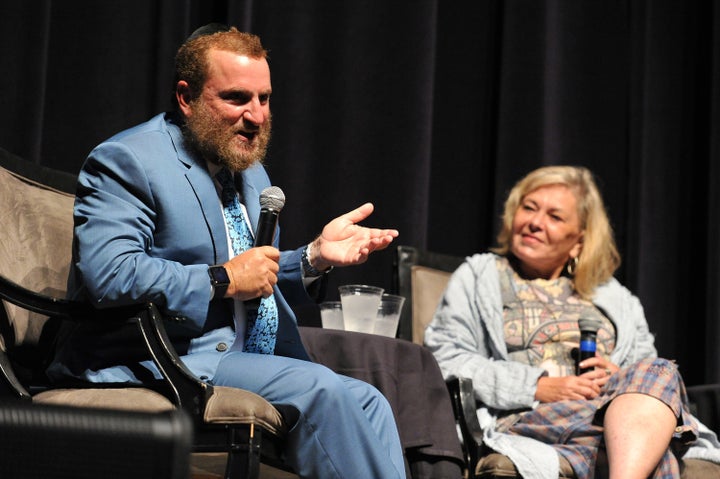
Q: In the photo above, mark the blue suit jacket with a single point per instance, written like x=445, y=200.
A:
x=147, y=224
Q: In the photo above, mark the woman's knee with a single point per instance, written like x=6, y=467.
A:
x=656, y=377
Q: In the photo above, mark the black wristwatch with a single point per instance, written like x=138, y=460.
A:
x=219, y=280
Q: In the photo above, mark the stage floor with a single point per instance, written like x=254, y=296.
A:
x=212, y=466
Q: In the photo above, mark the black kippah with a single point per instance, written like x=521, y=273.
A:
x=208, y=29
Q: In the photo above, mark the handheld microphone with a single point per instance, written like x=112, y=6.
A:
x=588, y=343
x=272, y=200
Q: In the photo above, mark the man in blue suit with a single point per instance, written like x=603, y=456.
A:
x=150, y=225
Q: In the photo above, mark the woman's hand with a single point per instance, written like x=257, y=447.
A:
x=566, y=387
x=585, y=386
x=602, y=372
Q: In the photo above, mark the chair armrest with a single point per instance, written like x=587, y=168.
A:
x=183, y=388
x=465, y=411
x=10, y=385
x=64, y=309
x=705, y=404
x=179, y=385
x=41, y=303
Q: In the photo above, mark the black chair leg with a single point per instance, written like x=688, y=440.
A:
x=244, y=454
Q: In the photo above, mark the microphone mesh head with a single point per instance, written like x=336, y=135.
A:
x=590, y=325
x=272, y=198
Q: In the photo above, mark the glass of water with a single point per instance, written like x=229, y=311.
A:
x=388, y=315
x=331, y=315
x=360, y=304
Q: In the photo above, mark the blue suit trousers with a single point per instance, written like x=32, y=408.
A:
x=361, y=441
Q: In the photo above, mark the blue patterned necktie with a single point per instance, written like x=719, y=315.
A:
x=262, y=323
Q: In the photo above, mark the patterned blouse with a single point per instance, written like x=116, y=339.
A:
x=541, y=321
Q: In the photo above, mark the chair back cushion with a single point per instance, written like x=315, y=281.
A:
x=36, y=223
x=414, y=270
x=428, y=285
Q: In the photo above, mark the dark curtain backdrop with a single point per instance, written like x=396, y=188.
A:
x=430, y=109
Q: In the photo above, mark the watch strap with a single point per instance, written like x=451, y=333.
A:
x=219, y=280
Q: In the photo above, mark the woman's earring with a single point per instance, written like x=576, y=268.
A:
x=572, y=265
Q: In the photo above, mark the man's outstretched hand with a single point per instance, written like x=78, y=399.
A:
x=344, y=243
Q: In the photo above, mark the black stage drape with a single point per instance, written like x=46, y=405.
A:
x=431, y=110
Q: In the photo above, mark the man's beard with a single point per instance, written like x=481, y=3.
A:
x=217, y=142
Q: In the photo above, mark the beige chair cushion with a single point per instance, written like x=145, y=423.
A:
x=226, y=405
x=237, y=406
x=428, y=285
x=699, y=469
x=124, y=399
x=498, y=465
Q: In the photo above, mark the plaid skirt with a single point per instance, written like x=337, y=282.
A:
x=574, y=428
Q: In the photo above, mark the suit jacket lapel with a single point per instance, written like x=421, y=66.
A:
x=251, y=200
x=204, y=187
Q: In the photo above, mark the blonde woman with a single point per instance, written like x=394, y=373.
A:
x=509, y=321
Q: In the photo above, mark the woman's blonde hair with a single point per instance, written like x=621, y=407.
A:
x=599, y=258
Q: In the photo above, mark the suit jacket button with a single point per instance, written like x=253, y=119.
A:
x=221, y=347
